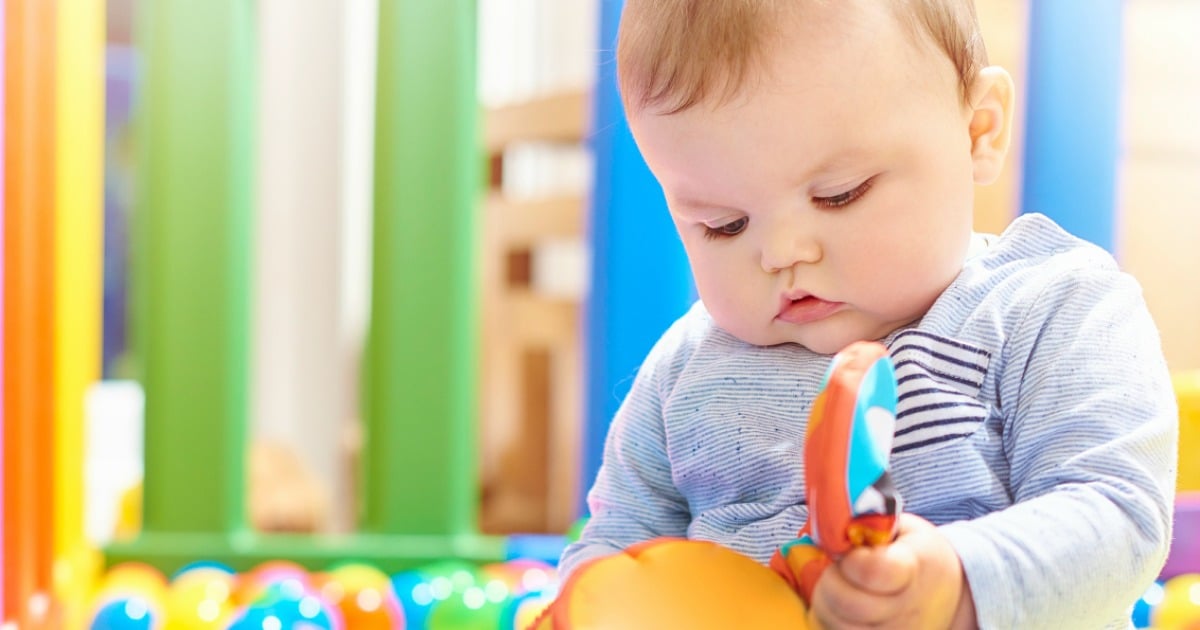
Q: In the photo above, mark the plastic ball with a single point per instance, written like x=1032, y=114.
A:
x=475, y=607
x=523, y=610
x=354, y=576
x=363, y=596
x=256, y=618
x=1143, y=609
x=200, y=599
x=286, y=604
x=132, y=578
x=206, y=565
x=1180, y=607
x=522, y=575
x=576, y=529
x=127, y=613
x=415, y=596
x=307, y=609
x=255, y=583
x=450, y=576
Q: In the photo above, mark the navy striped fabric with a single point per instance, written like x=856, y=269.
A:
x=1036, y=426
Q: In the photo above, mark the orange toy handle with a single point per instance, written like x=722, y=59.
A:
x=851, y=501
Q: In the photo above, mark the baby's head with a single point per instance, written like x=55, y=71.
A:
x=819, y=157
x=677, y=53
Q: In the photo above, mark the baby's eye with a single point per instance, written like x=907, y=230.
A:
x=846, y=198
x=733, y=228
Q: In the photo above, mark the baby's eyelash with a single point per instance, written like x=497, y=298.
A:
x=846, y=198
x=729, y=230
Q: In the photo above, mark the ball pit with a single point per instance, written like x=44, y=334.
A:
x=281, y=595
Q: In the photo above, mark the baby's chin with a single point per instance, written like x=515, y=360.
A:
x=768, y=337
x=828, y=339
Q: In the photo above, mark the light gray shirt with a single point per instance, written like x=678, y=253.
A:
x=1036, y=426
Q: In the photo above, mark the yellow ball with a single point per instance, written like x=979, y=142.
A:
x=132, y=578
x=348, y=580
x=1180, y=607
x=530, y=608
x=200, y=599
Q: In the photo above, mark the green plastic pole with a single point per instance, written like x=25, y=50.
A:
x=420, y=401
x=191, y=254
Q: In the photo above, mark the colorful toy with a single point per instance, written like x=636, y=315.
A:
x=197, y=166
x=672, y=583
x=851, y=500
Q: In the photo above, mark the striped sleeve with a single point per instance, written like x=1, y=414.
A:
x=1091, y=444
x=634, y=497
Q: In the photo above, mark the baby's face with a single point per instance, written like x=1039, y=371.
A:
x=830, y=201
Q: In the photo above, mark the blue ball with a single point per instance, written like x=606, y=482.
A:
x=1144, y=607
x=291, y=606
x=257, y=618
x=203, y=564
x=125, y=613
x=413, y=591
x=508, y=618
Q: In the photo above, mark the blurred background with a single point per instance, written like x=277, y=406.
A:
x=308, y=285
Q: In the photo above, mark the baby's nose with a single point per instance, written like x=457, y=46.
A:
x=787, y=244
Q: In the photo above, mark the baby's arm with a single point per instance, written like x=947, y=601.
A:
x=1090, y=435
x=634, y=497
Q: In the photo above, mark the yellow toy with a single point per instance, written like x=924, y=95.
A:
x=674, y=583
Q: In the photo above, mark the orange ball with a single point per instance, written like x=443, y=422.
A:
x=364, y=596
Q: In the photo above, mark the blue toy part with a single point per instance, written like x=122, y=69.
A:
x=872, y=429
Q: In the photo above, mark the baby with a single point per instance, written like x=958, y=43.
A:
x=819, y=160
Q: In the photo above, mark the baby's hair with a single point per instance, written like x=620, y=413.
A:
x=674, y=54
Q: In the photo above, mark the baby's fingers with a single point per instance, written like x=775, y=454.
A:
x=886, y=570
x=839, y=603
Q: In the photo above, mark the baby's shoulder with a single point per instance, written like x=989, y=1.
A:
x=1032, y=260
x=1034, y=246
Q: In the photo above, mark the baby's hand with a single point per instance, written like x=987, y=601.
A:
x=915, y=582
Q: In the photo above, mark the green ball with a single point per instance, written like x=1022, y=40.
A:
x=576, y=529
x=450, y=576
x=476, y=607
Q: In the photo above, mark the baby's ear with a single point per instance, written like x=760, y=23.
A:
x=991, y=102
